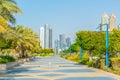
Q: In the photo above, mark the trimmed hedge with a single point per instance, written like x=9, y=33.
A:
x=6, y=59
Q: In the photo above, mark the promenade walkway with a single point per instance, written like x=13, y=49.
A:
x=55, y=68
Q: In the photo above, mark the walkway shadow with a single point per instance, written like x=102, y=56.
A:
x=78, y=64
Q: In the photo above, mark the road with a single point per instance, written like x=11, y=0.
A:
x=56, y=68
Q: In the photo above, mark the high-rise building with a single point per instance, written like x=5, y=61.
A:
x=104, y=20
x=46, y=36
x=42, y=37
x=108, y=20
x=62, y=41
x=56, y=46
x=68, y=42
x=50, y=38
x=112, y=21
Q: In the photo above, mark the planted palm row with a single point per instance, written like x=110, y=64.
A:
x=17, y=41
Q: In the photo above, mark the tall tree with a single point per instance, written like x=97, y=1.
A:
x=27, y=40
x=114, y=41
x=7, y=10
x=91, y=41
x=3, y=25
x=75, y=48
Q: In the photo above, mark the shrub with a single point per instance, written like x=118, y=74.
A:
x=85, y=59
x=51, y=54
x=96, y=63
x=3, y=60
x=90, y=64
x=7, y=51
x=6, y=58
x=45, y=54
x=115, y=63
x=102, y=64
x=35, y=54
x=65, y=56
x=9, y=58
x=74, y=57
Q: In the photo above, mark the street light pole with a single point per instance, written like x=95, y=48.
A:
x=107, y=45
x=80, y=53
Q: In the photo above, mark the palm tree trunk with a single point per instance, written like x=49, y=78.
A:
x=22, y=51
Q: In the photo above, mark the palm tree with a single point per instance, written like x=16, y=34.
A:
x=3, y=25
x=7, y=10
x=27, y=40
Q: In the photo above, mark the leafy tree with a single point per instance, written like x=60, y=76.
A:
x=114, y=42
x=100, y=44
x=91, y=41
x=75, y=48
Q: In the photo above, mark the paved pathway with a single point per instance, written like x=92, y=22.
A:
x=55, y=68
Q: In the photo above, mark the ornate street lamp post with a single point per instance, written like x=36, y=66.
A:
x=107, y=45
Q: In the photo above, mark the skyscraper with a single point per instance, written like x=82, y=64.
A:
x=68, y=42
x=108, y=20
x=112, y=21
x=104, y=20
x=50, y=38
x=46, y=36
x=62, y=41
x=56, y=46
x=42, y=37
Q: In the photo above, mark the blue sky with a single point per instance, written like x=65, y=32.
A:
x=66, y=16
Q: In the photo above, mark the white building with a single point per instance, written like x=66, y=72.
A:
x=42, y=37
x=46, y=36
x=110, y=20
x=104, y=20
x=47, y=31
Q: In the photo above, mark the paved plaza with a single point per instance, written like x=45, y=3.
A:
x=55, y=68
